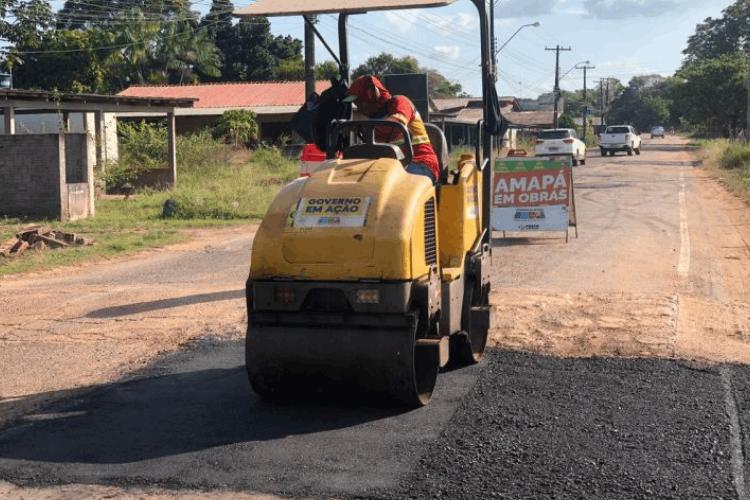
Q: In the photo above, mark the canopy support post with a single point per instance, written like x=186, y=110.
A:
x=344, y=47
x=488, y=80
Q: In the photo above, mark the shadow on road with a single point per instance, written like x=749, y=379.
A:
x=512, y=241
x=668, y=147
x=167, y=415
x=157, y=305
x=661, y=163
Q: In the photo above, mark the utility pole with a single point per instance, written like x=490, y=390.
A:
x=557, y=50
x=309, y=56
x=606, y=105
x=585, y=69
x=747, y=125
x=605, y=100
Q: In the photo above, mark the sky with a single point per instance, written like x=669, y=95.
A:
x=622, y=38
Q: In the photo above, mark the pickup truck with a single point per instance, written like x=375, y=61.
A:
x=620, y=138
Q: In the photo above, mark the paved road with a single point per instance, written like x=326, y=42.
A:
x=657, y=276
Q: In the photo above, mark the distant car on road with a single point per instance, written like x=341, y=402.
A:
x=620, y=138
x=658, y=131
x=561, y=142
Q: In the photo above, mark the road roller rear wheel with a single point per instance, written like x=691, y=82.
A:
x=291, y=363
x=467, y=348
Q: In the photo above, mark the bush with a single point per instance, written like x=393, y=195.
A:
x=143, y=145
x=735, y=156
x=237, y=127
x=200, y=151
x=119, y=177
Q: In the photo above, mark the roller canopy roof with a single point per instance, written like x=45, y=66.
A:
x=301, y=7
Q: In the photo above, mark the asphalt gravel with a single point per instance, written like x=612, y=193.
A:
x=539, y=427
x=519, y=426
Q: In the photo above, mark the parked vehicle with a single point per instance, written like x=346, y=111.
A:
x=620, y=138
x=561, y=142
x=658, y=131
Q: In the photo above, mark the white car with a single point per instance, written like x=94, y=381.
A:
x=561, y=142
x=620, y=138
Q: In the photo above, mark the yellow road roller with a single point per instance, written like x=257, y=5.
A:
x=362, y=274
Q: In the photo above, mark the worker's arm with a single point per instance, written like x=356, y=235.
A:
x=392, y=134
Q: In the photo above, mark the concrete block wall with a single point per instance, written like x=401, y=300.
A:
x=34, y=176
x=32, y=171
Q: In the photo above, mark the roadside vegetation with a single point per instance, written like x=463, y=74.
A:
x=729, y=162
x=218, y=185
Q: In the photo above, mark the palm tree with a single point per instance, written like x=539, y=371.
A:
x=138, y=40
x=185, y=53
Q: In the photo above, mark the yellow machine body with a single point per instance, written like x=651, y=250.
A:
x=387, y=242
x=392, y=243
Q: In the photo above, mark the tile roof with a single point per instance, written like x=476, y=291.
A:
x=531, y=119
x=230, y=95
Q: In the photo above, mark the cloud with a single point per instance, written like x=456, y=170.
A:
x=406, y=20
x=449, y=51
x=403, y=23
x=525, y=8
x=619, y=9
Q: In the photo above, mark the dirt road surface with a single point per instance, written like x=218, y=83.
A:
x=73, y=328
x=619, y=369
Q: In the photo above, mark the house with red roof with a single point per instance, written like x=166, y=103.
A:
x=275, y=103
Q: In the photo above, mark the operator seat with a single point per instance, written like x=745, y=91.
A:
x=440, y=145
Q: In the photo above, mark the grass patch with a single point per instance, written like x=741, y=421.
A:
x=729, y=162
x=233, y=191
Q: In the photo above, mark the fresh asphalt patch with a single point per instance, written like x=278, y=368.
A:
x=192, y=421
x=518, y=426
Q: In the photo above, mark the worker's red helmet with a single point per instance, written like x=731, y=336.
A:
x=367, y=88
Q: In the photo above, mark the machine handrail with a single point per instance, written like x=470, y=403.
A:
x=480, y=141
x=370, y=125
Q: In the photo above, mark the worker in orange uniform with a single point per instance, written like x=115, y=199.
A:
x=375, y=101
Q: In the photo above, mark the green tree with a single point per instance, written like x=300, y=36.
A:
x=387, y=64
x=84, y=14
x=290, y=69
x=29, y=20
x=6, y=25
x=218, y=21
x=566, y=120
x=248, y=48
x=184, y=54
x=712, y=94
x=138, y=38
x=725, y=35
x=440, y=87
x=644, y=103
x=59, y=59
x=237, y=127
x=326, y=70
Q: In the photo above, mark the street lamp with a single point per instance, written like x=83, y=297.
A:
x=575, y=66
x=532, y=25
